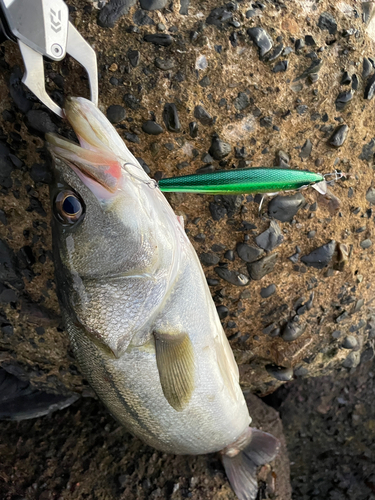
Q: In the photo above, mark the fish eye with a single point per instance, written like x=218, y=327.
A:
x=68, y=207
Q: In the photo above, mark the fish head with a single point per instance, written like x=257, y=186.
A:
x=107, y=220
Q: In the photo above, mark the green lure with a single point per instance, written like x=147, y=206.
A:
x=242, y=181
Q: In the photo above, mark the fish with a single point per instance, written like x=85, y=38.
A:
x=137, y=308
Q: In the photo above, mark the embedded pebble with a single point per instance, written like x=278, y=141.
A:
x=153, y=4
x=164, y=64
x=343, y=100
x=271, y=238
x=229, y=255
x=248, y=253
x=346, y=79
x=350, y=342
x=242, y=101
x=366, y=243
x=131, y=101
x=161, y=39
x=222, y=311
x=284, y=208
x=281, y=66
x=140, y=18
x=291, y=331
x=261, y=39
x=314, y=67
x=170, y=117
x=306, y=149
x=184, y=9
x=152, y=128
x=134, y=57
x=275, y=53
x=112, y=11
x=40, y=121
x=327, y=22
x=339, y=136
x=233, y=277
x=370, y=195
x=368, y=151
x=219, y=17
x=280, y=373
x=217, y=211
x=116, y=113
x=355, y=82
x=370, y=88
x=353, y=360
x=367, y=68
x=268, y=291
x=209, y=259
x=260, y=268
x=219, y=149
x=202, y=115
x=38, y=173
x=320, y=257
x=193, y=129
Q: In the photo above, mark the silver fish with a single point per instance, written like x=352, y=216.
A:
x=137, y=307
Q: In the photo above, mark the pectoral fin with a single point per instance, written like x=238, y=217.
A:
x=175, y=361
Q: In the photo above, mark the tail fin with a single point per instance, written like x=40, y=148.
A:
x=241, y=460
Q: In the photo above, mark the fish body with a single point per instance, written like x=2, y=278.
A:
x=137, y=307
x=242, y=181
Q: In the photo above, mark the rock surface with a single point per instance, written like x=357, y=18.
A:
x=297, y=110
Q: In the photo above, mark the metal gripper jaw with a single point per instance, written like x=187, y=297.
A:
x=42, y=28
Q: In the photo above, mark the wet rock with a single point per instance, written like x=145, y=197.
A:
x=271, y=238
x=367, y=68
x=164, y=64
x=327, y=22
x=209, y=259
x=261, y=39
x=8, y=267
x=370, y=88
x=353, y=360
x=320, y=257
x=219, y=17
x=40, y=121
x=170, y=117
x=366, y=243
x=370, y=195
x=112, y=12
x=116, y=113
x=260, y=268
x=248, y=253
x=306, y=149
x=144, y=165
x=268, y=291
x=242, y=101
x=350, y=342
x=280, y=66
x=202, y=115
x=219, y=149
x=339, y=136
x=160, y=39
x=343, y=100
x=153, y=4
x=280, y=372
x=368, y=151
x=284, y=208
x=134, y=57
x=233, y=277
x=152, y=128
x=292, y=331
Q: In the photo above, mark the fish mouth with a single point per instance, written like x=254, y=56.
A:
x=95, y=158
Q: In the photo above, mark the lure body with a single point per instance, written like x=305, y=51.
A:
x=242, y=181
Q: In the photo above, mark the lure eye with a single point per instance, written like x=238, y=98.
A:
x=68, y=207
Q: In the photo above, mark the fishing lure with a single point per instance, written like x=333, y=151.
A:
x=242, y=181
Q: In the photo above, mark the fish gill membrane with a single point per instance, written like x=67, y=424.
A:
x=137, y=308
